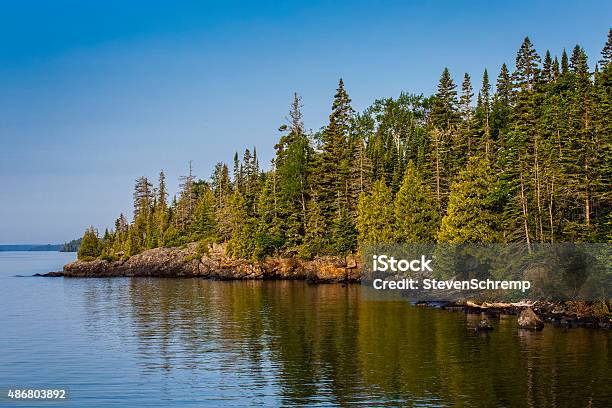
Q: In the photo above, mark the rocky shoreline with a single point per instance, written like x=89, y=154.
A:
x=188, y=262
x=568, y=314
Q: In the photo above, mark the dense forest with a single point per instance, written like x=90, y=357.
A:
x=527, y=159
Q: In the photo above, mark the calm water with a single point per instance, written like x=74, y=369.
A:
x=167, y=342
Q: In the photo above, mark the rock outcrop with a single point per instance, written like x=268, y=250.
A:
x=187, y=262
x=529, y=320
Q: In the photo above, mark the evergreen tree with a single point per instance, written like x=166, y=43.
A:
x=186, y=201
x=469, y=218
x=270, y=235
x=333, y=168
x=444, y=111
x=444, y=119
x=466, y=111
x=416, y=218
x=161, y=209
x=547, y=68
x=315, y=242
x=204, y=225
x=375, y=215
x=527, y=66
x=544, y=134
x=290, y=187
x=90, y=245
x=564, y=63
x=344, y=233
x=606, y=53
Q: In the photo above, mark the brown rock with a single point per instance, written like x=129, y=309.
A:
x=529, y=320
x=188, y=262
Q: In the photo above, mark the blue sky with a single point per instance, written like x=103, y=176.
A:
x=93, y=95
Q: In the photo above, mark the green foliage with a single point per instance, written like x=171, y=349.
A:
x=315, y=242
x=375, y=215
x=416, y=217
x=530, y=162
x=344, y=234
x=91, y=246
x=469, y=218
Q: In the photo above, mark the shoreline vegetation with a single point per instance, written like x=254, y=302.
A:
x=527, y=162
x=190, y=262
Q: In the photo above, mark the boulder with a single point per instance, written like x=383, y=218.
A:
x=529, y=320
x=484, y=325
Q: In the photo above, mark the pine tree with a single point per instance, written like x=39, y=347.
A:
x=291, y=187
x=469, y=218
x=375, y=215
x=483, y=117
x=444, y=118
x=143, y=196
x=606, y=53
x=416, y=218
x=91, y=247
x=504, y=86
x=204, y=226
x=344, y=233
x=466, y=111
x=315, y=242
x=186, y=201
x=444, y=111
x=222, y=188
x=582, y=153
x=134, y=240
x=527, y=68
x=161, y=208
x=240, y=244
x=555, y=69
x=270, y=235
x=333, y=167
x=564, y=63
x=547, y=68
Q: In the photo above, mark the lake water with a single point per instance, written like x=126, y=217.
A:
x=192, y=342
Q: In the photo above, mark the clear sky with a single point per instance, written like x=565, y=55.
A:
x=94, y=95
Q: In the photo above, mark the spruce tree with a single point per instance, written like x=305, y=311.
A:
x=547, y=68
x=344, y=233
x=564, y=63
x=204, y=225
x=375, y=215
x=444, y=110
x=606, y=52
x=315, y=241
x=416, y=218
x=270, y=235
x=469, y=218
x=91, y=247
x=293, y=163
x=466, y=111
x=333, y=166
x=527, y=66
x=444, y=118
x=161, y=208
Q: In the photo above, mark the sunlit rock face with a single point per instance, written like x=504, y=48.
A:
x=187, y=262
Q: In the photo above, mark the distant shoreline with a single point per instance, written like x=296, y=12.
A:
x=31, y=247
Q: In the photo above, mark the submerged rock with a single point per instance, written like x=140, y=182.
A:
x=529, y=320
x=484, y=325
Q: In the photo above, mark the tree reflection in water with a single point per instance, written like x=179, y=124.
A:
x=308, y=344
